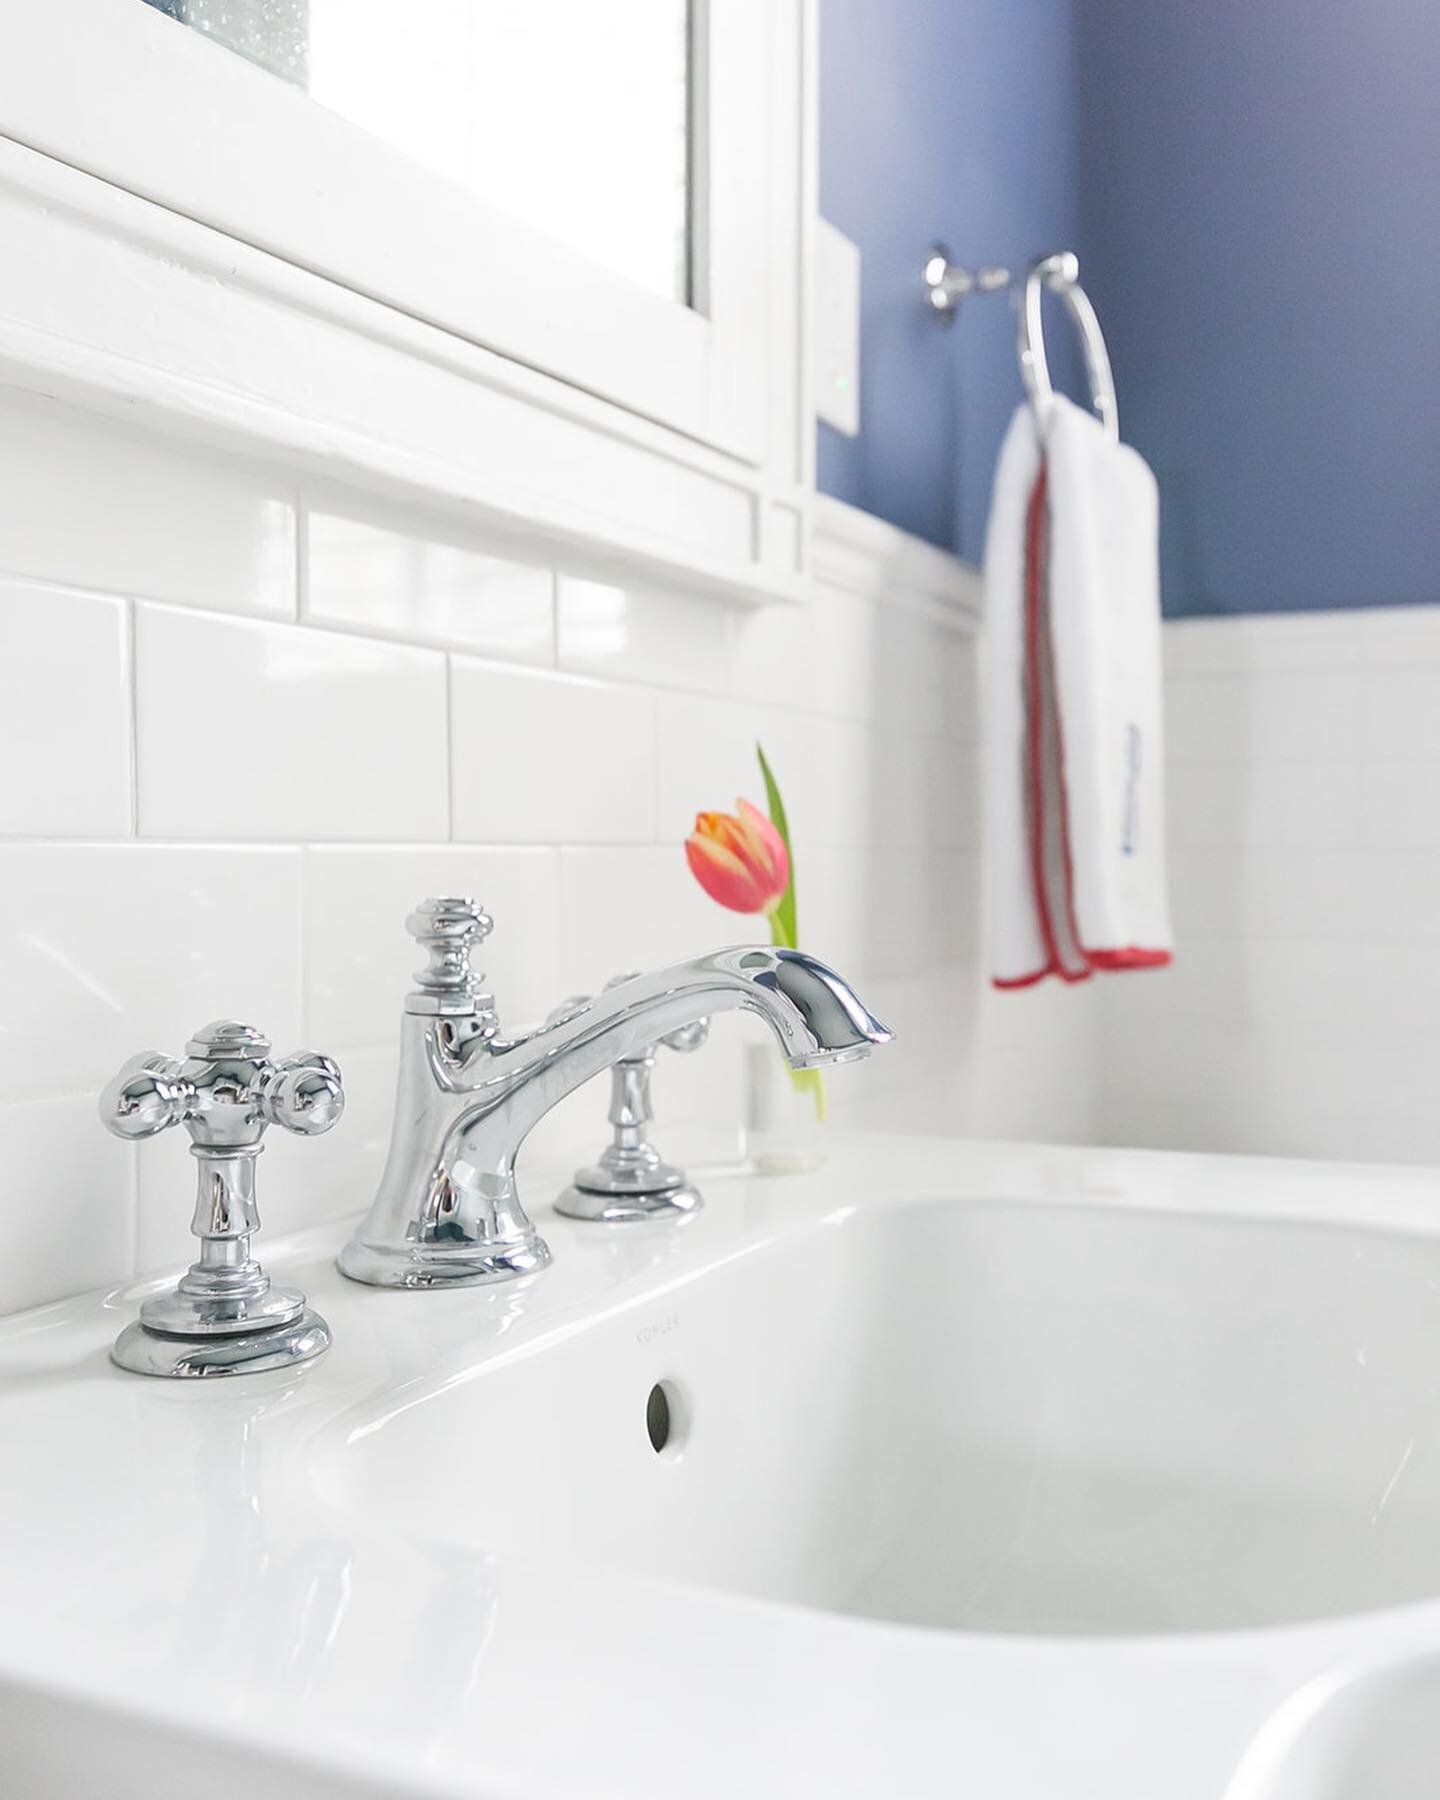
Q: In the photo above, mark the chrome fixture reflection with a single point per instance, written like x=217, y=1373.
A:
x=224, y=1317
x=448, y=1211
x=946, y=285
x=631, y=1180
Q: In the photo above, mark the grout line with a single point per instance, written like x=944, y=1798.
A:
x=303, y=923
x=132, y=715
x=302, y=560
x=554, y=660
x=410, y=846
x=134, y=1269
x=450, y=749
x=490, y=662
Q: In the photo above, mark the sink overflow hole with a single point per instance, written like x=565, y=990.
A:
x=660, y=1416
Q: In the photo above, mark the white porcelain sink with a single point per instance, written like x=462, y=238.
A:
x=986, y=1417
x=1037, y=1474
x=1368, y=1735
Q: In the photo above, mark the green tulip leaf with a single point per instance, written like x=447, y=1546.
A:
x=783, y=929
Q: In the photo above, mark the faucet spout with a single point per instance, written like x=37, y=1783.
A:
x=448, y=1210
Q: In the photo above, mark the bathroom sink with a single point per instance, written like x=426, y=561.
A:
x=1369, y=1735
x=1033, y=1473
x=980, y=1417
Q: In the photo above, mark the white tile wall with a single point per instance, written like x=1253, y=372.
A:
x=1302, y=1016
x=65, y=716
x=243, y=728
x=543, y=758
x=337, y=708
x=91, y=504
x=371, y=571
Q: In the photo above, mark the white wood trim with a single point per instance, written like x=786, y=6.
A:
x=257, y=356
x=121, y=305
x=861, y=554
x=122, y=92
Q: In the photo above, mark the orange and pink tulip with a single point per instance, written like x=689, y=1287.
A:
x=739, y=859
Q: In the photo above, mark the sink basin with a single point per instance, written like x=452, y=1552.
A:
x=1371, y=1735
x=1035, y=1473
x=990, y=1418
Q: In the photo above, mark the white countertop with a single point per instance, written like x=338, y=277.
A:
x=167, y=1552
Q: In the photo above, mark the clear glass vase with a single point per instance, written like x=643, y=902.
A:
x=781, y=1130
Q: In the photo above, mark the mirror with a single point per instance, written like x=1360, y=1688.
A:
x=557, y=111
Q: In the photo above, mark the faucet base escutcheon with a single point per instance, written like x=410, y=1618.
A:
x=442, y=1265
x=611, y=1206
x=141, y=1351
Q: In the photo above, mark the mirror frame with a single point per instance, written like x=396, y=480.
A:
x=112, y=89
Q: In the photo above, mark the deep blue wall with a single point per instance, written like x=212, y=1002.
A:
x=1260, y=231
x=1254, y=189
x=949, y=119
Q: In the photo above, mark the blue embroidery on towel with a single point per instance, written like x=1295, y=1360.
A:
x=1130, y=838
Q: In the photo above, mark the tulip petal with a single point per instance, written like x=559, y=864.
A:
x=723, y=875
x=766, y=844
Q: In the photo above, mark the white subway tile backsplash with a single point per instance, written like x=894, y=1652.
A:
x=268, y=732
x=827, y=769
x=638, y=635
x=360, y=961
x=950, y=777
x=1303, y=715
x=1305, y=863
x=1399, y=714
x=1208, y=895
x=548, y=759
x=424, y=584
x=1201, y=647
x=246, y=730
x=64, y=713
x=1400, y=805
x=1400, y=982
x=1310, y=893
x=95, y=505
x=1313, y=804
x=705, y=760
x=909, y=678
x=1207, y=805
x=631, y=908
x=1399, y=636
x=1207, y=719
x=960, y=657
x=106, y=950
x=1292, y=641
x=69, y=1218
x=824, y=657
x=1302, y=983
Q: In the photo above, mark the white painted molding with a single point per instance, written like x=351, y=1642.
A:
x=114, y=90
x=116, y=304
x=856, y=551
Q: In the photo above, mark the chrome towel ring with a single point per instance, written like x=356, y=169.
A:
x=946, y=286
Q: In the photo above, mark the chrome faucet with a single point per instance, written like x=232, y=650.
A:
x=448, y=1211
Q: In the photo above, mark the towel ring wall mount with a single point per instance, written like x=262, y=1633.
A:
x=946, y=285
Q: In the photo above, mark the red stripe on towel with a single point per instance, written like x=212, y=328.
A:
x=1132, y=957
x=1042, y=711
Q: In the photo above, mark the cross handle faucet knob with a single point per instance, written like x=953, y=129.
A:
x=224, y=1316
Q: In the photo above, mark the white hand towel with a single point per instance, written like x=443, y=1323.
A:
x=1075, y=766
